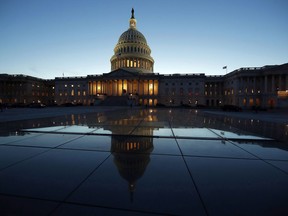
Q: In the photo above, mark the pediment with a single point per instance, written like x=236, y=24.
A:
x=120, y=73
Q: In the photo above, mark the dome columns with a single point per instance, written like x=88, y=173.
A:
x=131, y=62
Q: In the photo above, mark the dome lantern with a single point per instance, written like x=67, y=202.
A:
x=133, y=21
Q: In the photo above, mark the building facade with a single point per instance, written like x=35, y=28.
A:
x=23, y=90
x=263, y=86
x=132, y=81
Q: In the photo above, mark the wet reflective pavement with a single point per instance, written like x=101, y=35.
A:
x=141, y=162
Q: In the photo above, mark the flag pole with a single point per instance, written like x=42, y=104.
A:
x=225, y=67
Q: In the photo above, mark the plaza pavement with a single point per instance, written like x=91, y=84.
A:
x=123, y=161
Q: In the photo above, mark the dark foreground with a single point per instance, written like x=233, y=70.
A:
x=117, y=161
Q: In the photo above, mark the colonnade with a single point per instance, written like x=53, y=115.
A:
x=264, y=84
x=121, y=87
x=132, y=63
x=262, y=90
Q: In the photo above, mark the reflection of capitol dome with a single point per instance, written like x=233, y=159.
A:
x=131, y=157
x=132, y=51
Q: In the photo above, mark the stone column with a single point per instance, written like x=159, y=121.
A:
x=94, y=88
x=265, y=85
x=286, y=82
x=90, y=88
x=280, y=82
x=138, y=87
x=273, y=84
x=254, y=85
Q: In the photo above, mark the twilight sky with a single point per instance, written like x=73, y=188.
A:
x=49, y=38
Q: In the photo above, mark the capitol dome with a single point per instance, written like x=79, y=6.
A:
x=132, y=50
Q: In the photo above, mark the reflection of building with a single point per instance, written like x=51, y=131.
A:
x=132, y=81
x=131, y=157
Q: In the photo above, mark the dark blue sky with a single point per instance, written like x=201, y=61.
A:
x=46, y=38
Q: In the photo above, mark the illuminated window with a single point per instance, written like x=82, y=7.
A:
x=150, y=87
x=244, y=101
x=173, y=91
x=190, y=91
x=155, y=102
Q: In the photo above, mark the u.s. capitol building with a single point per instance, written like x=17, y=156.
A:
x=132, y=81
